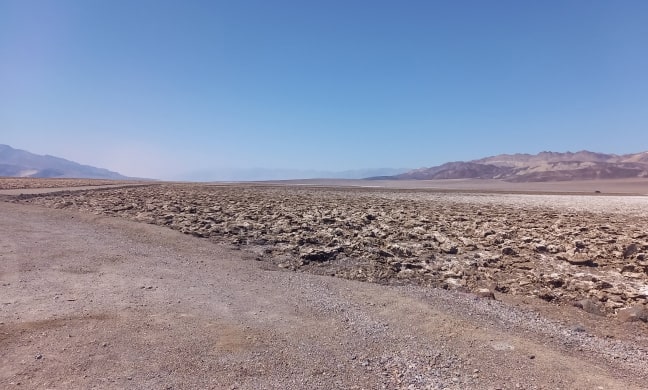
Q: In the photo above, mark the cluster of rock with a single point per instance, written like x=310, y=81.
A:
x=597, y=261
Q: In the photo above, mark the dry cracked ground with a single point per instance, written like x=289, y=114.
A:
x=471, y=290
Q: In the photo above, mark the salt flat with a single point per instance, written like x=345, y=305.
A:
x=87, y=295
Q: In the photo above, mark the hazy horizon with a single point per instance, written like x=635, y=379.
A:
x=166, y=90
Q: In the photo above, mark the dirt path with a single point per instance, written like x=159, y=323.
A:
x=95, y=302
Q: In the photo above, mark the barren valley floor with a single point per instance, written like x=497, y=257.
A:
x=89, y=300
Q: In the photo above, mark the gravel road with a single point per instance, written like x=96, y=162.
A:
x=99, y=302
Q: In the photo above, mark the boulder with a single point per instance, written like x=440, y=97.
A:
x=633, y=313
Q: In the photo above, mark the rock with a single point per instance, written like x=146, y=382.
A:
x=485, y=293
x=578, y=259
x=508, y=251
x=546, y=295
x=555, y=248
x=555, y=280
x=632, y=314
x=630, y=250
x=319, y=255
x=399, y=250
x=525, y=265
x=540, y=248
x=384, y=253
x=449, y=248
x=405, y=273
x=589, y=306
x=628, y=268
x=602, y=284
x=579, y=329
x=467, y=242
x=440, y=238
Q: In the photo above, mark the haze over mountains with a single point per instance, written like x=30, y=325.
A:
x=20, y=163
x=544, y=166
x=260, y=174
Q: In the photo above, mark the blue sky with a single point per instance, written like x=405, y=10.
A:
x=166, y=88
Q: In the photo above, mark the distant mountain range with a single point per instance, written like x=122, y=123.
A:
x=262, y=174
x=20, y=163
x=544, y=166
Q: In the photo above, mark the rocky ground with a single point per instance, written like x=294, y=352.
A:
x=95, y=302
x=8, y=183
x=586, y=251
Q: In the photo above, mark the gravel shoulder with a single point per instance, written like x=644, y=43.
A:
x=97, y=302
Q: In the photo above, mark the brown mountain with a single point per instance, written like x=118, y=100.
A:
x=544, y=166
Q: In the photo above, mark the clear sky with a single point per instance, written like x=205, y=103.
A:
x=163, y=88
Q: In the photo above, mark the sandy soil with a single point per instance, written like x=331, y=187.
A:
x=99, y=302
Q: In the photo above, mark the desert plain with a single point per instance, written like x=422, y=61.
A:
x=324, y=284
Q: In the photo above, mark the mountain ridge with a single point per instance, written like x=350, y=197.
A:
x=21, y=163
x=543, y=166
